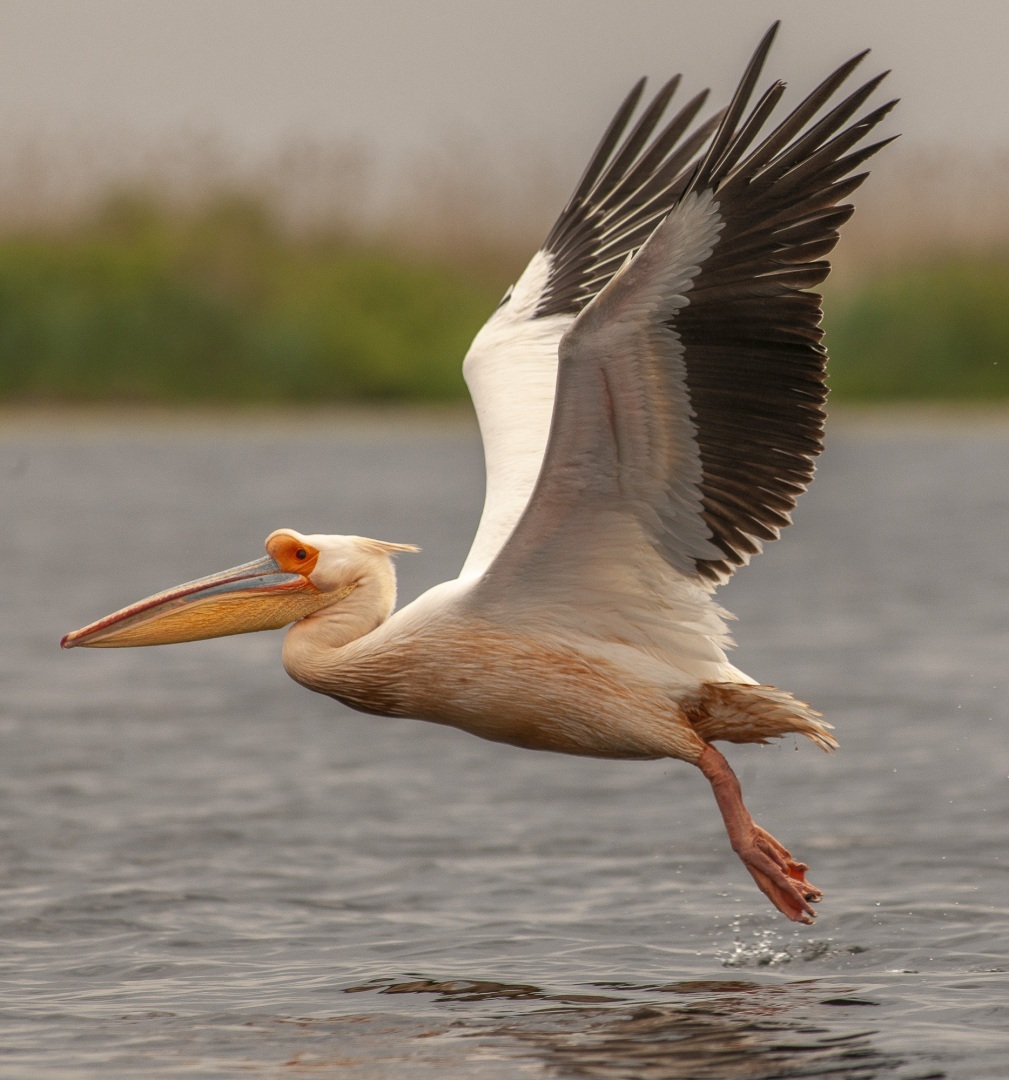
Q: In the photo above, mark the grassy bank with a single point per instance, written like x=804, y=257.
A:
x=145, y=305
x=933, y=331
x=141, y=305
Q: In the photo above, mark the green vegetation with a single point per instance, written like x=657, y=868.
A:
x=937, y=331
x=153, y=305
x=143, y=305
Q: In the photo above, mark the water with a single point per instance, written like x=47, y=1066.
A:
x=210, y=872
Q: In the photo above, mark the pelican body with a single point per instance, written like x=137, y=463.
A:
x=650, y=396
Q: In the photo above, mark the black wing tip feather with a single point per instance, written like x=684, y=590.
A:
x=633, y=179
x=736, y=108
x=638, y=172
x=781, y=206
x=601, y=154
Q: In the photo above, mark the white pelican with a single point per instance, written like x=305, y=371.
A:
x=650, y=395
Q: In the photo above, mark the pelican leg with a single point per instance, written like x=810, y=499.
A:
x=778, y=876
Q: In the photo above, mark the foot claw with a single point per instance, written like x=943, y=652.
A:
x=779, y=876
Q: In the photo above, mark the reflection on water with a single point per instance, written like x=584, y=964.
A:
x=470, y=990
x=706, y=1042
x=717, y=1030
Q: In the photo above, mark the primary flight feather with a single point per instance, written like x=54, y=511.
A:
x=650, y=396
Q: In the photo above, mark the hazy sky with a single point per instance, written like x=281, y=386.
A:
x=522, y=73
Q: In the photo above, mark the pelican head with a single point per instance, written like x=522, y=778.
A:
x=299, y=576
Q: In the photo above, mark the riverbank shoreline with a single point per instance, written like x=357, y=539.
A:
x=125, y=419
x=129, y=419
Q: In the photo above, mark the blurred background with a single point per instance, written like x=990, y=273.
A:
x=320, y=201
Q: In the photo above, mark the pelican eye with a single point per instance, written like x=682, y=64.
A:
x=292, y=555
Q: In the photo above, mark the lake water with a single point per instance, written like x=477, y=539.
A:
x=211, y=872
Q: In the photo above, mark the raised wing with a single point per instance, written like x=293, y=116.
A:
x=511, y=368
x=690, y=390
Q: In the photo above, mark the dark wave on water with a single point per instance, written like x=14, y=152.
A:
x=208, y=871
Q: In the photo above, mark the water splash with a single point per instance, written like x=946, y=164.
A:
x=767, y=947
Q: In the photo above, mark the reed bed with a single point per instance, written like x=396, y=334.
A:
x=309, y=281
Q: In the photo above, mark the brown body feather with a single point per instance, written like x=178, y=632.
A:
x=520, y=690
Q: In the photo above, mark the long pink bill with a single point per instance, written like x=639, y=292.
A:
x=255, y=596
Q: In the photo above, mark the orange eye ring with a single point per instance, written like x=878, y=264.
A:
x=292, y=555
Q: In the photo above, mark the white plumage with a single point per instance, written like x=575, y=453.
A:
x=650, y=396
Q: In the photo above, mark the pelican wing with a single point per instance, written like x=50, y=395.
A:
x=629, y=186
x=690, y=389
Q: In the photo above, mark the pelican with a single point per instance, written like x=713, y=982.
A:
x=650, y=397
